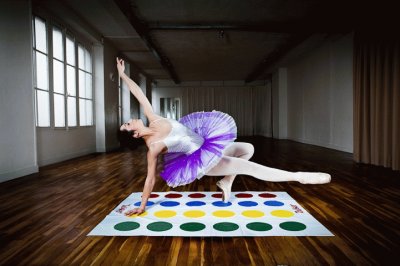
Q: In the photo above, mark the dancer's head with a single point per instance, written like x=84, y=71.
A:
x=133, y=125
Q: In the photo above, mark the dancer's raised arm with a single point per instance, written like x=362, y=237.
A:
x=136, y=91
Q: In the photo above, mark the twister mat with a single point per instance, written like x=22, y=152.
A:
x=205, y=214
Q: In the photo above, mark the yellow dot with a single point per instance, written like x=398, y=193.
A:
x=194, y=214
x=135, y=215
x=223, y=214
x=282, y=213
x=165, y=214
x=253, y=214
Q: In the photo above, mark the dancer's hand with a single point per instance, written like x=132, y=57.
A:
x=120, y=66
x=137, y=211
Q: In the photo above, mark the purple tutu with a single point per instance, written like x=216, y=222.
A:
x=218, y=131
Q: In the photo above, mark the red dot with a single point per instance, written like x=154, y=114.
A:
x=153, y=195
x=243, y=195
x=173, y=195
x=267, y=195
x=217, y=195
x=197, y=195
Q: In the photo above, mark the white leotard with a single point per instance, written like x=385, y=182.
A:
x=180, y=138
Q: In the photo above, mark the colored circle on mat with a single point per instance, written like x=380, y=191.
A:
x=292, y=226
x=194, y=214
x=153, y=195
x=243, y=195
x=136, y=215
x=257, y=226
x=221, y=203
x=173, y=195
x=273, y=203
x=159, y=226
x=126, y=226
x=247, y=203
x=169, y=203
x=267, y=195
x=195, y=203
x=223, y=214
x=282, y=213
x=149, y=203
x=226, y=227
x=192, y=227
x=196, y=195
x=253, y=214
x=217, y=195
x=165, y=214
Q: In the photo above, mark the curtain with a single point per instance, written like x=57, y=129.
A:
x=250, y=107
x=377, y=100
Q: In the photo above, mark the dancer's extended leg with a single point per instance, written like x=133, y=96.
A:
x=239, y=150
x=234, y=166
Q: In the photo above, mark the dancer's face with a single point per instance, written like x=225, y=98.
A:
x=133, y=125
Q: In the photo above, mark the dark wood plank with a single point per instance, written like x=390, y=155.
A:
x=45, y=217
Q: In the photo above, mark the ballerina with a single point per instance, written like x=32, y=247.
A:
x=201, y=143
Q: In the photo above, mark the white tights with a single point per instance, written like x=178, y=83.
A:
x=236, y=161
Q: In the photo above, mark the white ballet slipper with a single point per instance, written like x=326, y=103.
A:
x=313, y=177
x=226, y=190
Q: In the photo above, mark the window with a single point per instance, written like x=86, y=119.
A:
x=65, y=64
x=85, y=87
x=41, y=75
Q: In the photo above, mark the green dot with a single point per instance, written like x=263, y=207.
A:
x=226, y=227
x=159, y=226
x=292, y=226
x=126, y=226
x=192, y=227
x=259, y=226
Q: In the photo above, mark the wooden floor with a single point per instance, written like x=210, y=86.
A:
x=44, y=218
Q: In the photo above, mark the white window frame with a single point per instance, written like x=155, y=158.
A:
x=49, y=35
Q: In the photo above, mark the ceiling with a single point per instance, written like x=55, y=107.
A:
x=185, y=40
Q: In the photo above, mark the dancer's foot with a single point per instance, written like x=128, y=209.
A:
x=313, y=177
x=226, y=189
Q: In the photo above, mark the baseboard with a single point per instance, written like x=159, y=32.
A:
x=18, y=173
x=65, y=157
x=326, y=145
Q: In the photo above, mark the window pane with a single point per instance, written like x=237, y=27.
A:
x=42, y=108
x=82, y=112
x=81, y=57
x=40, y=35
x=59, y=110
x=88, y=86
x=88, y=61
x=58, y=47
x=89, y=115
x=72, y=112
x=71, y=81
x=41, y=72
x=82, y=84
x=70, y=51
x=58, y=76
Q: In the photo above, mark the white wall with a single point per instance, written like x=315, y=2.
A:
x=320, y=95
x=17, y=129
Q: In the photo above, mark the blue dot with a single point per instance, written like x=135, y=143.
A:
x=149, y=203
x=248, y=203
x=221, y=203
x=169, y=203
x=273, y=203
x=195, y=203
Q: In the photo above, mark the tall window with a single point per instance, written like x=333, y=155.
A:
x=71, y=82
x=85, y=87
x=41, y=79
x=62, y=62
